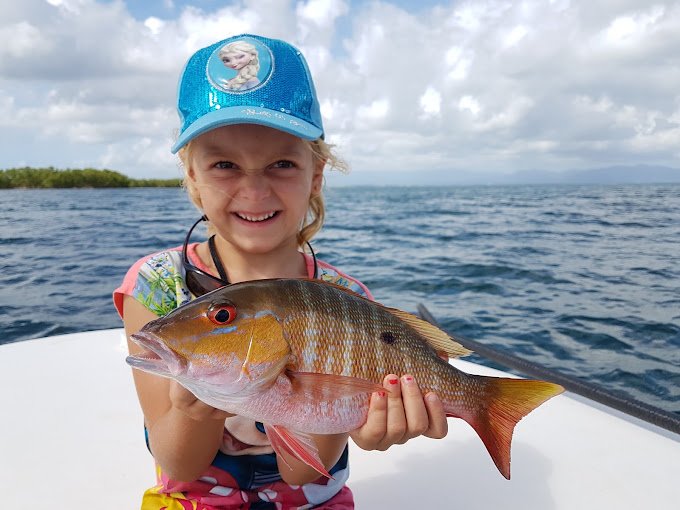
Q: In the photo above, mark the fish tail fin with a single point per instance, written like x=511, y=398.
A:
x=509, y=400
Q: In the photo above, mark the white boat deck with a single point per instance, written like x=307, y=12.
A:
x=71, y=437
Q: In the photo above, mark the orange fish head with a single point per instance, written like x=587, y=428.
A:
x=214, y=343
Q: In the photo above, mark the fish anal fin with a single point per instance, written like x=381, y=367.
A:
x=509, y=400
x=438, y=339
x=298, y=445
x=328, y=387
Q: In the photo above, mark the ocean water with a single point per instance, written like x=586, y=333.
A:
x=582, y=279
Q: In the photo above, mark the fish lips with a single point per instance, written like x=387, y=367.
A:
x=157, y=358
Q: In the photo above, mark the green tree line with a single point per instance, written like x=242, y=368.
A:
x=76, y=178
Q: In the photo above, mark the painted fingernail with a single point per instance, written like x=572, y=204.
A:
x=393, y=381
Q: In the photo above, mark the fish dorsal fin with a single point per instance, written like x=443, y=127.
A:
x=337, y=286
x=439, y=340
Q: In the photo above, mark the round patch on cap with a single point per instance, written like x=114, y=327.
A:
x=240, y=66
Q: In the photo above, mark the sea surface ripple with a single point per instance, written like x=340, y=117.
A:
x=582, y=279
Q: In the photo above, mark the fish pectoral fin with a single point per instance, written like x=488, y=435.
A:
x=299, y=445
x=327, y=387
x=437, y=338
x=264, y=379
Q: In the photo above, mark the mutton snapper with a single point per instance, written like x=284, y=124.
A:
x=303, y=356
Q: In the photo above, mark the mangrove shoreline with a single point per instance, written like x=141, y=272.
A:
x=38, y=178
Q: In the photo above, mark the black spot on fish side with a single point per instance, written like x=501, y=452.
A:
x=387, y=337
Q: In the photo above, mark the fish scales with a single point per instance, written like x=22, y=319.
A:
x=353, y=328
x=276, y=355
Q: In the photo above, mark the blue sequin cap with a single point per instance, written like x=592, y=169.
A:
x=247, y=79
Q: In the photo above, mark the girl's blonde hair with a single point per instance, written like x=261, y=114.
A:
x=249, y=71
x=316, y=210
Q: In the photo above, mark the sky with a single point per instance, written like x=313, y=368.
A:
x=458, y=87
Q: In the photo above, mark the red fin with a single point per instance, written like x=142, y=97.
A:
x=301, y=446
x=508, y=401
x=326, y=387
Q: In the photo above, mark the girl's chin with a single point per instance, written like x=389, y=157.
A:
x=260, y=242
x=262, y=249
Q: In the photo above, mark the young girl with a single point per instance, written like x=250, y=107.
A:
x=254, y=166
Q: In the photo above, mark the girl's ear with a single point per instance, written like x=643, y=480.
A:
x=183, y=154
x=317, y=177
x=317, y=183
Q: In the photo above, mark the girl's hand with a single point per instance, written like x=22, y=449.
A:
x=399, y=414
x=186, y=402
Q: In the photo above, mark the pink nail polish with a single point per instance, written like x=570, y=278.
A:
x=393, y=381
x=381, y=393
x=408, y=379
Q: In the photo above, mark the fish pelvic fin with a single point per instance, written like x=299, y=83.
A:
x=298, y=445
x=434, y=336
x=509, y=400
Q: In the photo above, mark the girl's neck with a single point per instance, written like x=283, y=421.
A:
x=286, y=262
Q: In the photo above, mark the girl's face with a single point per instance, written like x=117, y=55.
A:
x=237, y=60
x=255, y=183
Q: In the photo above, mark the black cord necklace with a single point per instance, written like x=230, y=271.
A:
x=223, y=274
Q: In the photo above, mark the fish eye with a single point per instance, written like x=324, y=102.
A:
x=222, y=313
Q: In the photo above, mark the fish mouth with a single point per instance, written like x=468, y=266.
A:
x=156, y=357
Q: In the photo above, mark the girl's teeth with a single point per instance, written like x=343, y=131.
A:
x=256, y=218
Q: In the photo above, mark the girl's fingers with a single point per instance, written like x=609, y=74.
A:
x=399, y=414
x=188, y=404
x=396, y=425
x=438, y=424
x=417, y=419
x=369, y=435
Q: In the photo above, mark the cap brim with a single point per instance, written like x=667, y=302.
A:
x=248, y=115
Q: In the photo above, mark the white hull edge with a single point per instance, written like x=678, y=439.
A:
x=71, y=437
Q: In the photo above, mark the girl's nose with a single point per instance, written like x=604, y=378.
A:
x=254, y=185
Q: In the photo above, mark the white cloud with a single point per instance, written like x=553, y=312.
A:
x=321, y=12
x=375, y=111
x=470, y=104
x=630, y=28
x=155, y=25
x=515, y=36
x=19, y=40
x=477, y=83
x=431, y=102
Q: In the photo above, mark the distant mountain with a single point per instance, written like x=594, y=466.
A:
x=638, y=174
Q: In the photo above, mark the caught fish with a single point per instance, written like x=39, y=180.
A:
x=303, y=356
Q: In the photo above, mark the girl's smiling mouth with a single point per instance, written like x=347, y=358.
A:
x=256, y=218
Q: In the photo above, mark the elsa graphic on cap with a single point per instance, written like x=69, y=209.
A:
x=241, y=57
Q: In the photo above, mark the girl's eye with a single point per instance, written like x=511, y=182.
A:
x=224, y=165
x=221, y=314
x=284, y=164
